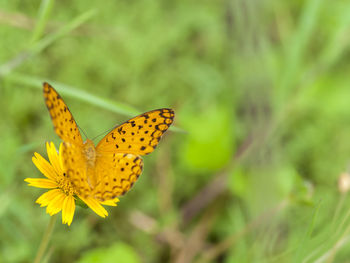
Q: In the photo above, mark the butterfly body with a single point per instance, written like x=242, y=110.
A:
x=110, y=169
x=89, y=151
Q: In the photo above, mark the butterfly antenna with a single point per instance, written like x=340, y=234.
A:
x=82, y=131
x=105, y=132
x=102, y=133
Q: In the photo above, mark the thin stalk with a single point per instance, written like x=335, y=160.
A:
x=46, y=239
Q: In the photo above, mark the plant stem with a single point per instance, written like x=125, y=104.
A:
x=46, y=239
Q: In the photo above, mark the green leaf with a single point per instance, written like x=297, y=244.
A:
x=118, y=252
x=209, y=145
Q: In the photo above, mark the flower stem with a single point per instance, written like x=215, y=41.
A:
x=46, y=239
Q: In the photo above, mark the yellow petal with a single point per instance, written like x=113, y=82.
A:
x=110, y=202
x=47, y=197
x=95, y=206
x=68, y=209
x=41, y=183
x=56, y=204
x=60, y=156
x=44, y=166
x=53, y=157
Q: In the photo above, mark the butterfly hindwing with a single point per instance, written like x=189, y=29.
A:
x=63, y=121
x=75, y=168
x=139, y=135
x=117, y=173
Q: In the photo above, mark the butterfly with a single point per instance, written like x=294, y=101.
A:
x=110, y=169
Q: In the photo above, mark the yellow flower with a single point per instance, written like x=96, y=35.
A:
x=63, y=195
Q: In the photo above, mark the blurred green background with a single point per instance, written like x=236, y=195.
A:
x=261, y=92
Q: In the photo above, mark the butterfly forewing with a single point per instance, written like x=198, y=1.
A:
x=63, y=121
x=139, y=135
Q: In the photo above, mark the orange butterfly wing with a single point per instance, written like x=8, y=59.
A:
x=116, y=174
x=74, y=161
x=75, y=168
x=118, y=161
x=63, y=121
x=139, y=135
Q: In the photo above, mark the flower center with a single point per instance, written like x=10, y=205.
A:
x=65, y=185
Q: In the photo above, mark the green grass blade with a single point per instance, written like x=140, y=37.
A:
x=117, y=107
x=297, y=47
x=65, y=30
x=43, y=17
x=299, y=254
x=39, y=46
